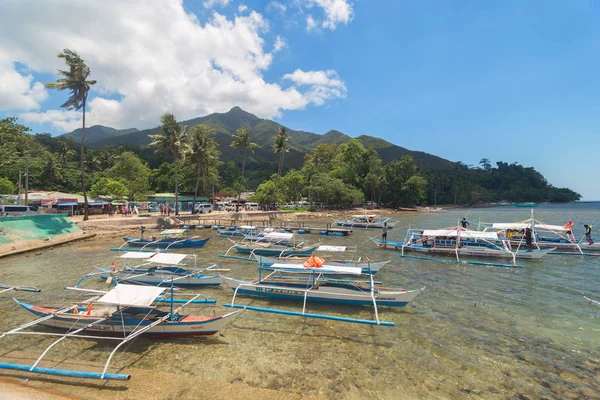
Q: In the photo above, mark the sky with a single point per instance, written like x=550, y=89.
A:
x=510, y=81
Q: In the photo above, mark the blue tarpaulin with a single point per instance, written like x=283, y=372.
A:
x=66, y=204
x=98, y=203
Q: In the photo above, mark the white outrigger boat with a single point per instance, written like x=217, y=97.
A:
x=5, y=287
x=366, y=221
x=366, y=266
x=159, y=269
x=544, y=236
x=459, y=242
x=121, y=314
x=318, y=288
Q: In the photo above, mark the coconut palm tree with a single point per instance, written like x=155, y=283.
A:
x=242, y=139
x=65, y=153
x=202, y=149
x=171, y=141
x=75, y=80
x=281, y=146
x=53, y=169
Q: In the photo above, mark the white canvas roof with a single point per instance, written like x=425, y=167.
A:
x=511, y=225
x=249, y=227
x=364, y=216
x=172, y=232
x=523, y=225
x=167, y=258
x=463, y=234
x=331, y=248
x=279, y=235
x=325, y=269
x=551, y=227
x=137, y=255
x=131, y=295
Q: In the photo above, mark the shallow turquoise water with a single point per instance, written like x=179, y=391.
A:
x=475, y=332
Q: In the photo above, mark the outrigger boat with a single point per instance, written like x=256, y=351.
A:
x=239, y=231
x=318, y=288
x=271, y=247
x=543, y=235
x=366, y=221
x=159, y=269
x=458, y=242
x=367, y=266
x=170, y=238
x=121, y=314
x=5, y=287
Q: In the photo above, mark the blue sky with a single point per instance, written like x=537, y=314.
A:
x=512, y=81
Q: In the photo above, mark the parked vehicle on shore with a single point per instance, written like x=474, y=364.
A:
x=16, y=211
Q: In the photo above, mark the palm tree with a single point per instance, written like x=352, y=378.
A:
x=242, y=139
x=65, y=153
x=53, y=169
x=171, y=141
x=202, y=149
x=75, y=80
x=92, y=161
x=281, y=146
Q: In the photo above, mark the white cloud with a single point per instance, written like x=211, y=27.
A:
x=242, y=8
x=277, y=6
x=280, y=43
x=213, y=3
x=17, y=91
x=321, y=85
x=336, y=12
x=144, y=66
x=311, y=24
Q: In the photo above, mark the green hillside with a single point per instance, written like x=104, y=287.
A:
x=262, y=131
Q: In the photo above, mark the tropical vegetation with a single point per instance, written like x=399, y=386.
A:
x=328, y=175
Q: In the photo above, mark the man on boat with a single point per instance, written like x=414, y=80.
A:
x=569, y=227
x=384, y=233
x=464, y=223
x=588, y=233
x=528, y=239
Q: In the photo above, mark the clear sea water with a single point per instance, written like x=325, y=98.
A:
x=475, y=332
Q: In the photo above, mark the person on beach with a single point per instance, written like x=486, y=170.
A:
x=588, y=233
x=464, y=223
x=528, y=239
x=384, y=233
x=123, y=211
x=110, y=212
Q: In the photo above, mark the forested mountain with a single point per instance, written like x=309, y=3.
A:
x=261, y=131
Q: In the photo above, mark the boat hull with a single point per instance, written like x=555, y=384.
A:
x=164, y=243
x=469, y=251
x=187, y=325
x=277, y=252
x=326, y=292
x=177, y=277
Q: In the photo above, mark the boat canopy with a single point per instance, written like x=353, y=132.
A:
x=332, y=248
x=172, y=232
x=167, y=258
x=279, y=235
x=247, y=227
x=522, y=225
x=324, y=269
x=463, y=234
x=364, y=216
x=131, y=295
x=137, y=255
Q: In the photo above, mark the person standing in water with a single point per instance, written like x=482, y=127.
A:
x=464, y=223
x=588, y=233
x=384, y=233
